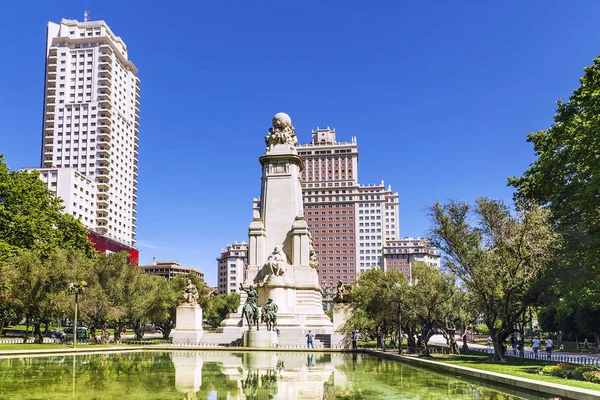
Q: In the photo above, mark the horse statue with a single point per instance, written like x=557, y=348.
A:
x=250, y=310
x=252, y=315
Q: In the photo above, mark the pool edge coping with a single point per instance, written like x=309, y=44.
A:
x=547, y=388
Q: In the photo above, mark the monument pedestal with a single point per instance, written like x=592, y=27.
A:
x=261, y=339
x=189, y=325
x=341, y=315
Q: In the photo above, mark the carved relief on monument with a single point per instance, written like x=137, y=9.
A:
x=277, y=262
x=278, y=168
x=282, y=132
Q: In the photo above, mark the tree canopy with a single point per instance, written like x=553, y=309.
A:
x=498, y=255
x=31, y=217
x=565, y=178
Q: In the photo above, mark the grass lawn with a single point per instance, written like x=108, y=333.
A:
x=523, y=368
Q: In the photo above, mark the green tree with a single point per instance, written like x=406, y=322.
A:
x=31, y=217
x=497, y=255
x=163, y=308
x=220, y=306
x=432, y=294
x=101, y=303
x=565, y=178
x=38, y=285
x=378, y=301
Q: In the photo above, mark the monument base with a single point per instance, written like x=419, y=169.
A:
x=341, y=316
x=260, y=339
x=189, y=325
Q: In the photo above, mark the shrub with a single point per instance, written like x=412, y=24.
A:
x=592, y=376
x=482, y=329
x=573, y=371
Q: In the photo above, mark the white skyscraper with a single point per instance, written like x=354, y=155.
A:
x=91, y=113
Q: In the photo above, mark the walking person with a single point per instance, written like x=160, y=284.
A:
x=489, y=341
x=549, y=344
x=513, y=344
x=521, y=347
x=535, y=345
x=585, y=344
x=354, y=338
x=309, y=340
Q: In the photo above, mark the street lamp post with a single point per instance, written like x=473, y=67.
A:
x=76, y=289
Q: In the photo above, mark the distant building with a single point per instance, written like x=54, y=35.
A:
x=231, y=267
x=77, y=191
x=349, y=223
x=329, y=293
x=170, y=269
x=401, y=254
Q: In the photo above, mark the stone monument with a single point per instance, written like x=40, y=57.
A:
x=281, y=259
x=188, y=327
x=341, y=315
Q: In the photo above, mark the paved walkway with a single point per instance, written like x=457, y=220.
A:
x=561, y=356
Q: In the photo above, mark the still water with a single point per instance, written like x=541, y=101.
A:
x=230, y=375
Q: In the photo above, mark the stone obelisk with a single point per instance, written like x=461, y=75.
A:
x=281, y=260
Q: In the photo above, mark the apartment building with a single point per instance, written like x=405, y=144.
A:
x=231, y=267
x=402, y=253
x=77, y=191
x=91, y=123
x=349, y=222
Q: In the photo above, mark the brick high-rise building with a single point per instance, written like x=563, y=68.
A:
x=349, y=223
x=90, y=123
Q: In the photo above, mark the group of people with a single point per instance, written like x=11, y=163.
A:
x=535, y=346
x=518, y=345
x=57, y=335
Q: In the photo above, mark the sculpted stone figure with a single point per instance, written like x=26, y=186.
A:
x=276, y=262
x=250, y=310
x=190, y=295
x=269, y=315
x=343, y=293
x=313, y=259
x=282, y=131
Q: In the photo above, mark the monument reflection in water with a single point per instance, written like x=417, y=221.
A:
x=256, y=375
x=190, y=374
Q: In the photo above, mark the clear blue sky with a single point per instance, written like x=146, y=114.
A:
x=439, y=94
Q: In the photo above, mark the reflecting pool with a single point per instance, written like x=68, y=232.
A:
x=230, y=375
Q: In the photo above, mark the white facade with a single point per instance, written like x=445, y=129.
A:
x=231, y=267
x=377, y=222
x=91, y=113
x=76, y=190
x=401, y=254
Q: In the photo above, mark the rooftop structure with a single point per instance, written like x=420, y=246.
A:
x=170, y=269
x=401, y=254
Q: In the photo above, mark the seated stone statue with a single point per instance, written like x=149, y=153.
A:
x=276, y=262
x=190, y=295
